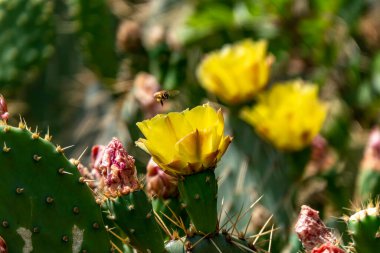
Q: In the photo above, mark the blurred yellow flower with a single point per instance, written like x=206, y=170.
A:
x=237, y=72
x=289, y=115
x=187, y=142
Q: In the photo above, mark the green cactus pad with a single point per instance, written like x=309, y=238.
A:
x=364, y=227
x=26, y=41
x=368, y=184
x=133, y=214
x=173, y=209
x=198, y=244
x=45, y=207
x=93, y=23
x=199, y=194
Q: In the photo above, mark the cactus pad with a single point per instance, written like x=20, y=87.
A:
x=45, y=206
x=26, y=41
x=364, y=227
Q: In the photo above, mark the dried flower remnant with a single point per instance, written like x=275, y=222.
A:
x=3, y=246
x=4, y=115
x=311, y=230
x=118, y=170
x=328, y=248
x=158, y=183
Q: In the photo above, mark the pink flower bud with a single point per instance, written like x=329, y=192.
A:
x=3, y=246
x=145, y=85
x=371, y=159
x=4, y=115
x=158, y=183
x=319, y=148
x=373, y=144
x=118, y=170
x=311, y=230
x=328, y=248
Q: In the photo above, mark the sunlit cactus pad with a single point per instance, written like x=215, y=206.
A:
x=45, y=207
x=24, y=50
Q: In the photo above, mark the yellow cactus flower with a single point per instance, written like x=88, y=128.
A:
x=183, y=143
x=237, y=72
x=289, y=115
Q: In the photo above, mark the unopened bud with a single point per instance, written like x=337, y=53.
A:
x=129, y=36
x=371, y=159
x=158, y=183
x=4, y=115
x=144, y=87
x=96, y=156
x=3, y=246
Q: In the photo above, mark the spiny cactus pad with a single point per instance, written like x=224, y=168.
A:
x=93, y=23
x=199, y=194
x=45, y=207
x=133, y=214
x=27, y=37
x=216, y=244
x=364, y=227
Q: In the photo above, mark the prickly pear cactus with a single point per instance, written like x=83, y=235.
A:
x=26, y=41
x=199, y=244
x=45, y=205
x=93, y=23
x=364, y=227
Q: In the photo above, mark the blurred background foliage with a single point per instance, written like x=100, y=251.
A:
x=71, y=66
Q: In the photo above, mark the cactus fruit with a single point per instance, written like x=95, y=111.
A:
x=364, y=227
x=45, y=203
x=26, y=49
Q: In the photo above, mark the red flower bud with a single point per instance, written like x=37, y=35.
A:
x=3, y=246
x=4, y=115
x=96, y=156
x=158, y=183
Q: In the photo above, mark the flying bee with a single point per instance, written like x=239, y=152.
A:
x=163, y=95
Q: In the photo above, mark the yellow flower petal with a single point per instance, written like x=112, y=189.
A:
x=237, y=72
x=289, y=115
x=187, y=142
